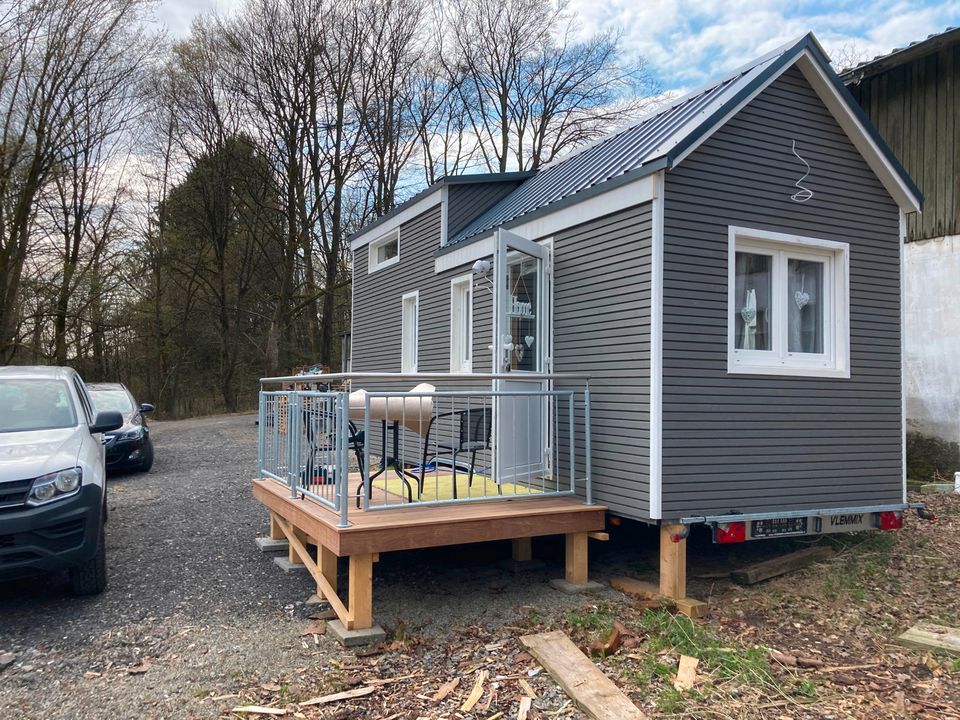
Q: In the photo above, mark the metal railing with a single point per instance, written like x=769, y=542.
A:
x=370, y=441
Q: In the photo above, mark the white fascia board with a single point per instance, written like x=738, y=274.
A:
x=840, y=111
x=903, y=355
x=656, y=352
x=713, y=107
x=590, y=208
x=857, y=133
x=363, y=237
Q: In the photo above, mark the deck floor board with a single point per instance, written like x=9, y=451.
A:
x=411, y=526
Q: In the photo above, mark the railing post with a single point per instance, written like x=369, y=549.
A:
x=293, y=454
x=571, y=423
x=586, y=442
x=261, y=429
x=367, y=491
x=343, y=460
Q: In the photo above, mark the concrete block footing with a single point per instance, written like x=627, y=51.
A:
x=267, y=545
x=356, y=638
x=571, y=589
x=289, y=567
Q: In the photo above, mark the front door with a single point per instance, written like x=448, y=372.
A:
x=521, y=350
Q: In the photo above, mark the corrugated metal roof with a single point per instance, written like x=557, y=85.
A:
x=900, y=55
x=627, y=150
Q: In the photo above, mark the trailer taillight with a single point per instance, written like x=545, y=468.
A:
x=891, y=520
x=731, y=532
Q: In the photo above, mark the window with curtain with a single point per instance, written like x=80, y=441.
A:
x=788, y=305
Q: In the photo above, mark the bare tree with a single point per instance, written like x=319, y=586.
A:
x=529, y=87
x=58, y=59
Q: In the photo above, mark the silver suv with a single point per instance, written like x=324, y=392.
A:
x=52, y=487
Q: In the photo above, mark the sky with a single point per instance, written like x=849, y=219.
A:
x=689, y=42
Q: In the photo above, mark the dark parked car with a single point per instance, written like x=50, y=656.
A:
x=130, y=447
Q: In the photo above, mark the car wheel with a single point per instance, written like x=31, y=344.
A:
x=90, y=578
x=147, y=461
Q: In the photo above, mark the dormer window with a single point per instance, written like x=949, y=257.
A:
x=384, y=251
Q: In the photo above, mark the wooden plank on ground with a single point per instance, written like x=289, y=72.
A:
x=930, y=637
x=587, y=686
x=632, y=586
x=782, y=565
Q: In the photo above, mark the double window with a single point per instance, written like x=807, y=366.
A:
x=384, y=251
x=788, y=305
x=410, y=331
x=461, y=324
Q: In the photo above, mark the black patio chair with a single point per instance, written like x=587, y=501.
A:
x=475, y=425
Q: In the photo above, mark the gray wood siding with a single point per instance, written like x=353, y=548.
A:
x=377, y=305
x=752, y=443
x=467, y=201
x=601, y=323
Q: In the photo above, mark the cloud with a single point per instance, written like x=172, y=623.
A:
x=690, y=42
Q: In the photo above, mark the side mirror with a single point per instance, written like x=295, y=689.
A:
x=106, y=421
x=146, y=408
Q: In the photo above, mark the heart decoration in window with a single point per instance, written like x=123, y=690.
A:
x=748, y=314
x=529, y=340
x=801, y=298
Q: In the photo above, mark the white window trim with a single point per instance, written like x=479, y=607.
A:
x=778, y=361
x=372, y=264
x=456, y=284
x=404, y=340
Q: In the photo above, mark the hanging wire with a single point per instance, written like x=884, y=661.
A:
x=803, y=193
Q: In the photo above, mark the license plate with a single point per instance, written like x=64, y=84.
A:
x=850, y=522
x=778, y=527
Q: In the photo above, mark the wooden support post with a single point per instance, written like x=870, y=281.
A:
x=327, y=562
x=673, y=563
x=522, y=549
x=360, y=592
x=577, y=565
x=275, y=532
x=292, y=555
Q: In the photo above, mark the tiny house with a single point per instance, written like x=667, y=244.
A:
x=694, y=320
x=727, y=271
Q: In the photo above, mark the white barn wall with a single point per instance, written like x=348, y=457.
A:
x=932, y=336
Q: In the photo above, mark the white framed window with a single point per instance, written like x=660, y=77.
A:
x=788, y=305
x=461, y=324
x=410, y=329
x=384, y=251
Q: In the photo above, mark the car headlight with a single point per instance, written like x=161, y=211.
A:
x=54, y=486
x=134, y=434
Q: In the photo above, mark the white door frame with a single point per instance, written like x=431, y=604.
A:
x=505, y=242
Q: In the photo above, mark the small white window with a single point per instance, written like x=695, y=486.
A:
x=788, y=302
x=384, y=251
x=461, y=324
x=410, y=329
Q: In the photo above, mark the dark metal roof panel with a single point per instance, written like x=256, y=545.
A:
x=615, y=154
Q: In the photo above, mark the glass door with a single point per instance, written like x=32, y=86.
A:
x=521, y=350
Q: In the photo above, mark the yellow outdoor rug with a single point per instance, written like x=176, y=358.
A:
x=440, y=487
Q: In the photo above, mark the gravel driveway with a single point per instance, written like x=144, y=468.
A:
x=187, y=589
x=194, y=612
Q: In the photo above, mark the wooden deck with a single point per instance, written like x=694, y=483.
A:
x=304, y=522
x=408, y=527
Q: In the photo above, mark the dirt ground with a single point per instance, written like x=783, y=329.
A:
x=196, y=621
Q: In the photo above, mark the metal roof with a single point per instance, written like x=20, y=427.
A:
x=446, y=180
x=656, y=141
x=624, y=151
x=898, y=56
